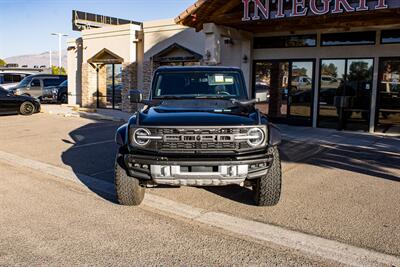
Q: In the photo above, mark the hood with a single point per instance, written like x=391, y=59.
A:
x=199, y=112
x=8, y=86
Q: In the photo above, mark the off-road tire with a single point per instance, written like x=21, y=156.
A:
x=63, y=99
x=267, y=189
x=128, y=189
x=26, y=108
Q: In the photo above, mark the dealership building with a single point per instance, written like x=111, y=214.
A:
x=318, y=63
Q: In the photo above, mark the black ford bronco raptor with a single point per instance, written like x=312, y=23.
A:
x=198, y=128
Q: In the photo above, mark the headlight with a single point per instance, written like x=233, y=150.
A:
x=55, y=91
x=17, y=92
x=256, y=137
x=141, y=136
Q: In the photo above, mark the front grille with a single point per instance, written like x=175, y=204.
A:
x=198, y=139
x=187, y=131
x=198, y=146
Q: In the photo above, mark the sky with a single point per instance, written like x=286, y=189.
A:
x=26, y=25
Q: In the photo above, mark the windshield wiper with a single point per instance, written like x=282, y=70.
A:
x=170, y=97
x=213, y=97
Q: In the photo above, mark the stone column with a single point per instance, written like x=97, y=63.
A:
x=129, y=81
x=89, y=85
x=102, y=80
x=148, y=71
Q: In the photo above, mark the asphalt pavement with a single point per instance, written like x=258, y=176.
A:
x=340, y=193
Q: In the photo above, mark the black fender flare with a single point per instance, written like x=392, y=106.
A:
x=121, y=136
x=275, y=137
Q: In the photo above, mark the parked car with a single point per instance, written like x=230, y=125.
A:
x=56, y=94
x=14, y=104
x=330, y=82
x=34, y=85
x=199, y=128
x=262, y=92
x=301, y=83
x=10, y=79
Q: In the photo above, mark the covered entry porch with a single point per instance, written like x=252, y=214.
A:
x=108, y=67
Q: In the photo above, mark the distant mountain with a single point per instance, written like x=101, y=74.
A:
x=38, y=59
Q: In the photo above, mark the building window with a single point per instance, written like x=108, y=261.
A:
x=348, y=38
x=345, y=91
x=285, y=41
x=390, y=37
x=388, y=102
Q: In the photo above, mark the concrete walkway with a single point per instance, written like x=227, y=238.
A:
x=96, y=114
x=344, y=138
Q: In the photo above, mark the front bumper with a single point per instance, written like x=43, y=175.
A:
x=203, y=171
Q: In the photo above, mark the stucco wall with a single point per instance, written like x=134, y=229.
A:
x=158, y=35
x=118, y=39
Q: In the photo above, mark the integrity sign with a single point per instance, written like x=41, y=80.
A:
x=262, y=9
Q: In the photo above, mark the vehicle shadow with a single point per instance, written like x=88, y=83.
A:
x=93, y=151
x=92, y=155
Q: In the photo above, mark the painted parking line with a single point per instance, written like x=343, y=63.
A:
x=93, y=144
x=274, y=235
x=99, y=126
x=102, y=172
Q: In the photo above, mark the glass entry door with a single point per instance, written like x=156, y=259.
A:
x=345, y=93
x=109, y=86
x=285, y=89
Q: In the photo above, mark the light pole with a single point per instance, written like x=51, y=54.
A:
x=50, y=63
x=60, y=35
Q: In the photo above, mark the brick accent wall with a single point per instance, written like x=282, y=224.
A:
x=129, y=81
x=89, y=83
x=102, y=87
x=148, y=71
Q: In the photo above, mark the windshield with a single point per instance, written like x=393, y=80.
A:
x=199, y=84
x=25, y=82
x=64, y=83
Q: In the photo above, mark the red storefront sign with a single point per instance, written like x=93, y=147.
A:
x=261, y=9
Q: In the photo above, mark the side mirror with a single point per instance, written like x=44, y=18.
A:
x=135, y=96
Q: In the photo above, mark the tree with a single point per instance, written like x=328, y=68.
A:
x=360, y=71
x=2, y=63
x=329, y=70
x=56, y=70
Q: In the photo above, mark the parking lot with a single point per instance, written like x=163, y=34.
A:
x=347, y=194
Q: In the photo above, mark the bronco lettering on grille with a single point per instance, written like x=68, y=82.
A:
x=191, y=138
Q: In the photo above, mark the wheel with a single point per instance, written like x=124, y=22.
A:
x=27, y=108
x=63, y=99
x=267, y=189
x=129, y=191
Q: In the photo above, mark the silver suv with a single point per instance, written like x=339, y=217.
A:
x=35, y=85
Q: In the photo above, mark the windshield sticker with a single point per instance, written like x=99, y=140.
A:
x=229, y=80
x=219, y=78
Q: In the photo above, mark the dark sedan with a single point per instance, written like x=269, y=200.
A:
x=56, y=94
x=13, y=104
